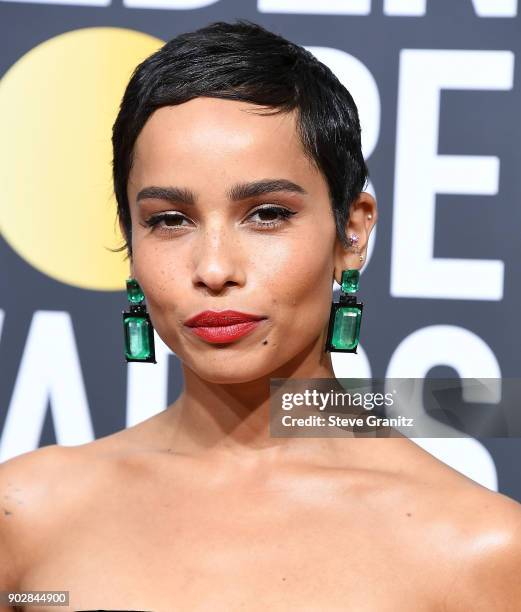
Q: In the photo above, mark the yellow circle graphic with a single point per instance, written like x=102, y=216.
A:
x=57, y=106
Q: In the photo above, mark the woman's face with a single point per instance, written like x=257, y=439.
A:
x=220, y=252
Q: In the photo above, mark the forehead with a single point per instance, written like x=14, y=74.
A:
x=211, y=137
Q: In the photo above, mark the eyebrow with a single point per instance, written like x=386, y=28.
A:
x=240, y=191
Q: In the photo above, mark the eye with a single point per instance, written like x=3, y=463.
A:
x=278, y=214
x=171, y=220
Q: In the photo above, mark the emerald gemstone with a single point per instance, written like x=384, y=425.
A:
x=134, y=292
x=346, y=327
x=350, y=279
x=137, y=345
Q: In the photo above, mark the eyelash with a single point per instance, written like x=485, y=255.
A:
x=154, y=221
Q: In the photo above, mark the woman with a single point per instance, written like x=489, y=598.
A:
x=239, y=177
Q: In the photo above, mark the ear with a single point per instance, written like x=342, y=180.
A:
x=363, y=215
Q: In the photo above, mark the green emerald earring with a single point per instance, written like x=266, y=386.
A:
x=139, y=332
x=346, y=314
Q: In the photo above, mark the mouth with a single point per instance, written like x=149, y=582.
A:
x=223, y=326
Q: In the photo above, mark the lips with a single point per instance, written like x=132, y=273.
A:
x=223, y=326
x=222, y=318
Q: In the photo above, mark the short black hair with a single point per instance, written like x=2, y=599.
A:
x=244, y=61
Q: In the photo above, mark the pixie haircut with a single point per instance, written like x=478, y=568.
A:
x=243, y=61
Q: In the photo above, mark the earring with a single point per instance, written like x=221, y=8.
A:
x=346, y=315
x=137, y=326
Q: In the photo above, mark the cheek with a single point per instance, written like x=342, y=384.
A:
x=300, y=279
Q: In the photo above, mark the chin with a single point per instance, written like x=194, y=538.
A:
x=219, y=370
x=226, y=378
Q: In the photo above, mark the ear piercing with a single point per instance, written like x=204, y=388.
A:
x=353, y=242
x=353, y=239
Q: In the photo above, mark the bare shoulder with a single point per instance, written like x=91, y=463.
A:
x=27, y=484
x=478, y=536
x=467, y=503
x=483, y=550
x=488, y=551
x=41, y=489
x=30, y=480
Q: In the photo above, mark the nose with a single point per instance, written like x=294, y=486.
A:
x=217, y=259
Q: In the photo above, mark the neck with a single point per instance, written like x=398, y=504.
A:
x=211, y=418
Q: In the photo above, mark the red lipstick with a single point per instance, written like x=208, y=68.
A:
x=224, y=325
